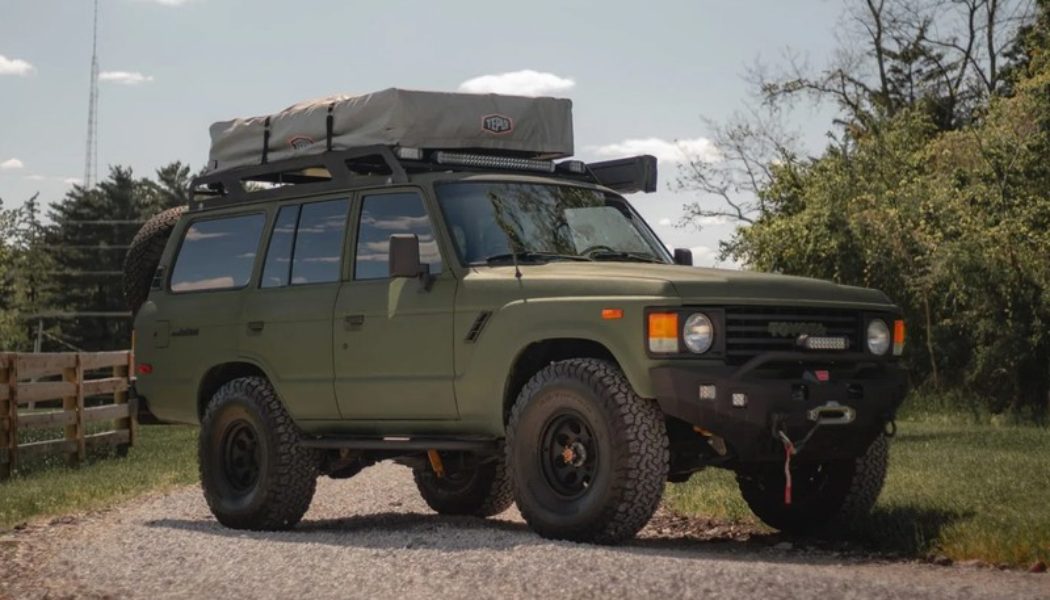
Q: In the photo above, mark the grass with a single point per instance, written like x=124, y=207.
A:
x=163, y=457
x=968, y=491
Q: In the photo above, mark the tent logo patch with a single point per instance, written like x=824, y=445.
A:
x=497, y=124
x=300, y=143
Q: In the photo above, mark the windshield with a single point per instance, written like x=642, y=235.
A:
x=498, y=221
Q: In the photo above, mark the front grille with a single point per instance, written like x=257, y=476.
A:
x=753, y=330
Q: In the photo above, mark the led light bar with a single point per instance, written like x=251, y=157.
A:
x=493, y=162
x=816, y=342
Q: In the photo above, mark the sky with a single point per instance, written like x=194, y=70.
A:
x=643, y=76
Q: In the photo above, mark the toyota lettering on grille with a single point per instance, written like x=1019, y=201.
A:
x=795, y=329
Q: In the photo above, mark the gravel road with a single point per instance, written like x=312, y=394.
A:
x=372, y=537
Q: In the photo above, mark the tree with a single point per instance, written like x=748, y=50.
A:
x=935, y=189
x=87, y=241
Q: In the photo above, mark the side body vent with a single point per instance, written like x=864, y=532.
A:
x=475, y=329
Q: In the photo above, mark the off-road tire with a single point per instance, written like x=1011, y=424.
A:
x=287, y=472
x=482, y=491
x=845, y=492
x=629, y=441
x=144, y=254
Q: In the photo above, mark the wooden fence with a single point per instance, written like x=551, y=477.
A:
x=64, y=381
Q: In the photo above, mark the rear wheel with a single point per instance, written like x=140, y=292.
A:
x=479, y=489
x=254, y=473
x=831, y=494
x=144, y=254
x=588, y=457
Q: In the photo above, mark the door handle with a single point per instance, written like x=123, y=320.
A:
x=256, y=326
x=353, y=322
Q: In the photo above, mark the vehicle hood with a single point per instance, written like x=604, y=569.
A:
x=697, y=285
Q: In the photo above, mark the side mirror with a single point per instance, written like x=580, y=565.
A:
x=683, y=256
x=404, y=258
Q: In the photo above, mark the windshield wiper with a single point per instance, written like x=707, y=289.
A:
x=532, y=257
x=626, y=256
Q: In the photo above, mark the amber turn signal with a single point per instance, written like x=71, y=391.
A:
x=899, y=333
x=663, y=332
x=612, y=313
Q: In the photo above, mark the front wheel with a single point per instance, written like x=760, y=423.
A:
x=830, y=494
x=588, y=457
x=254, y=472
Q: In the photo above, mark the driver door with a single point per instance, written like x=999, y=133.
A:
x=393, y=343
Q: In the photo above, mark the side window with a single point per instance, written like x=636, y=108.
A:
x=217, y=254
x=383, y=215
x=319, y=242
x=278, y=266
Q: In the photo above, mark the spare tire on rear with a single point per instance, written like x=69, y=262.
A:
x=144, y=254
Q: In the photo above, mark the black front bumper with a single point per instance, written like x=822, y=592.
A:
x=781, y=389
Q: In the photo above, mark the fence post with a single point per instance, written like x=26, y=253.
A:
x=121, y=397
x=9, y=413
x=5, y=429
x=75, y=404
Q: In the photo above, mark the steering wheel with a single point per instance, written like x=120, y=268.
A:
x=592, y=249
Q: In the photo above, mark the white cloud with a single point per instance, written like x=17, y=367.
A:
x=665, y=222
x=35, y=177
x=519, y=83
x=664, y=151
x=72, y=181
x=15, y=66
x=11, y=164
x=124, y=77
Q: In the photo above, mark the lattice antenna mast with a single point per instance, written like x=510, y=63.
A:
x=91, y=154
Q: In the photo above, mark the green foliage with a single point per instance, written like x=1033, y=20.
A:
x=967, y=491
x=953, y=223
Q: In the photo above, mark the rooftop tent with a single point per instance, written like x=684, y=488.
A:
x=526, y=127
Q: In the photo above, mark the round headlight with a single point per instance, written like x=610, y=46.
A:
x=698, y=333
x=878, y=337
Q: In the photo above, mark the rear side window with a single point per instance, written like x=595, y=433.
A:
x=278, y=266
x=217, y=254
x=319, y=242
x=306, y=245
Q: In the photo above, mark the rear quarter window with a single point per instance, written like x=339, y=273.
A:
x=217, y=254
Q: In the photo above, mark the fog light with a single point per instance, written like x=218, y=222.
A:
x=708, y=392
x=739, y=400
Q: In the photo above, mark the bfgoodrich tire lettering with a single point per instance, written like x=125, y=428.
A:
x=825, y=495
x=254, y=473
x=623, y=453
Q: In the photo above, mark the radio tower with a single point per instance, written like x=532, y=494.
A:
x=91, y=155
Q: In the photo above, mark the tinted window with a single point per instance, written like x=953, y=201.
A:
x=217, y=254
x=319, y=242
x=384, y=215
x=278, y=267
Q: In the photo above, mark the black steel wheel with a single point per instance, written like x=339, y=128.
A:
x=588, y=457
x=254, y=472
x=241, y=458
x=470, y=485
x=825, y=495
x=569, y=458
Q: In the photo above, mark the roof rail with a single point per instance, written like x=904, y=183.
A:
x=340, y=169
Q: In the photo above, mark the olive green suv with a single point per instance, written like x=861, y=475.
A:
x=512, y=331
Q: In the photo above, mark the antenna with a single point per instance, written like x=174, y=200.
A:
x=91, y=154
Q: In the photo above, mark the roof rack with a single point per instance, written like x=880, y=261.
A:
x=340, y=169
